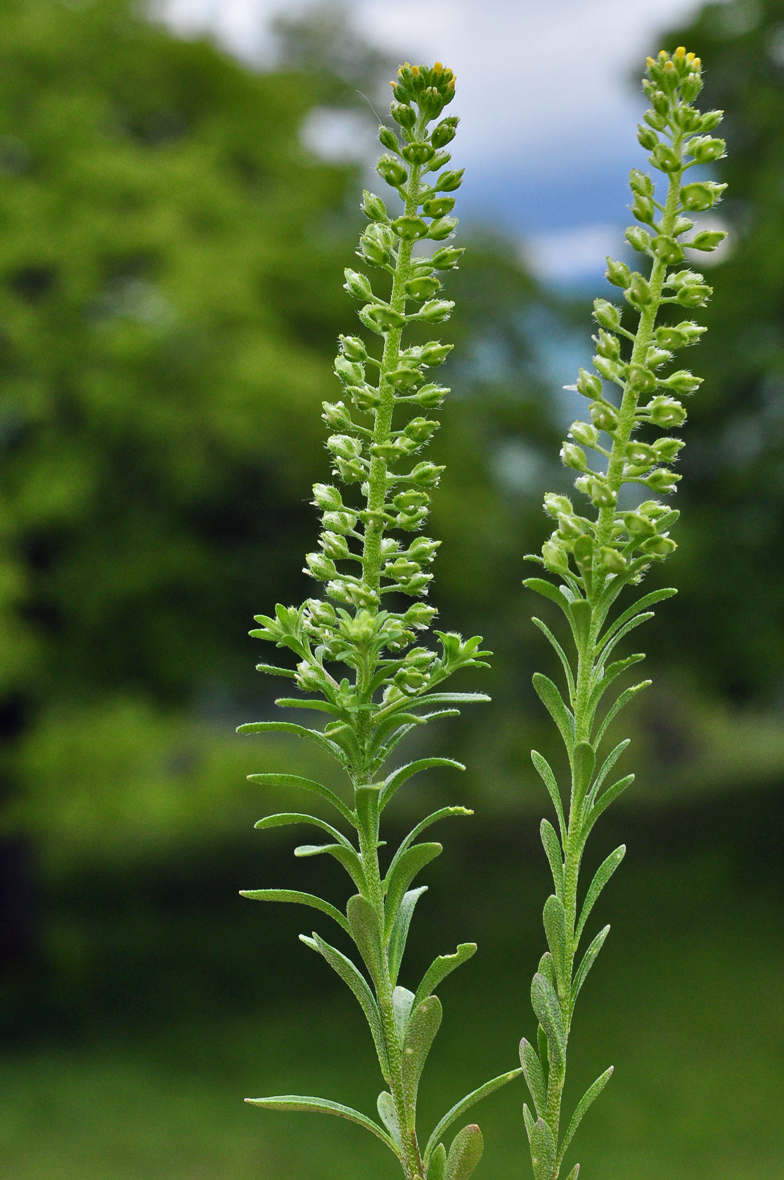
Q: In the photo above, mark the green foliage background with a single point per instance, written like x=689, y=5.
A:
x=171, y=264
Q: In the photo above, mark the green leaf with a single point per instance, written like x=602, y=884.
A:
x=403, y=773
x=607, y=766
x=545, y=772
x=547, y=969
x=442, y=813
x=612, y=673
x=306, y=784
x=534, y=1075
x=643, y=604
x=284, y=818
x=423, y=1024
x=575, y=1172
x=543, y=1150
x=602, y=876
x=547, y=590
x=554, y=917
x=589, y=958
x=353, y=978
x=294, y=895
x=402, y=1003
x=529, y=1120
x=465, y=1104
x=367, y=803
x=553, y=702
x=559, y=651
x=453, y=698
x=548, y=1012
x=441, y=967
x=401, y=873
x=274, y=670
x=553, y=852
x=589, y=1097
x=304, y=703
x=541, y=1042
x=579, y=615
x=366, y=932
x=583, y=760
x=437, y=1164
x=313, y=735
x=399, y=935
x=464, y=1154
x=604, y=800
x=388, y=1115
x=345, y=856
x=627, y=695
x=637, y=621
x=324, y=1106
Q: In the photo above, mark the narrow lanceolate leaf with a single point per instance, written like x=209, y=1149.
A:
x=437, y=1166
x=294, y=895
x=366, y=932
x=359, y=986
x=306, y=784
x=325, y=1106
x=313, y=735
x=609, y=796
x=575, y=1172
x=274, y=670
x=295, y=817
x=388, y=1115
x=343, y=855
x=589, y=958
x=399, y=935
x=642, y=604
x=464, y=1154
x=554, y=918
x=403, y=773
x=602, y=876
x=402, y=1003
x=534, y=1075
x=554, y=853
x=548, y=778
x=423, y=1024
x=548, y=1012
x=547, y=590
x=583, y=759
x=590, y=1096
x=559, y=651
x=607, y=766
x=553, y=702
x=626, y=696
x=367, y=800
x=529, y=1120
x=402, y=873
x=543, y=1150
x=441, y=967
x=465, y=1104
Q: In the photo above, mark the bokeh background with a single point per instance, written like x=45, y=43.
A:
x=179, y=192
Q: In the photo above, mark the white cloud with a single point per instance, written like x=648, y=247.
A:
x=573, y=254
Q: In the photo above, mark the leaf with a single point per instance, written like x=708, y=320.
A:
x=324, y=1106
x=345, y=856
x=607, y=766
x=283, y=818
x=548, y=1012
x=547, y=590
x=543, y=1150
x=453, y=698
x=304, y=703
x=545, y=772
x=553, y=852
x=637, y=621
x=402, y=1003
x=612, y=673
x=465, y=1104
x=313, y=735
x=353, y=978
x=366, y=932
x=547, y=969
x=294, y=895
x=274, y=670
x=437, y=1164
x=367, y=804
x=554, y=917
x=601, y=877
x=403, y=773
x=399, y=935
x=626, y=696
x=400, y=875
x=553, y=702
x=643, y=604
x=541, y=1042
x=423, y=1024
x=583, y=761
x=442, y=813
x=441, y=967
x=575, y=1172
x=589, y=958
x=464, y=1154
x=589, y=1097
x=307, y=784
x=604, y=800
x=534, y=1075
x=559, y=651
x=388, y=1115
x=579, y=615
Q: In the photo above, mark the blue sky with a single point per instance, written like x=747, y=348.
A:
x=544, y=93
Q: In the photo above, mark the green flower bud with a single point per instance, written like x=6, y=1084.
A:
x=639, y=454
x=339, y=522
x=671, y=338
x=426, y=475
x=434, y=353
x=320, y=567
x=436, y=311
x=409, y=501
x=606, y=314
x=665, y=159
x=344, y=445
x=569, y=527
x=403, y=114
x=614, y=561
x=349, y=371
x=423, y=549
x=555, y=558
x=381, y=319
x=681, y=225
x=417, y=153
x=420, y=429
x=665, y=411
x=337, y=416
x=373, y=207
x=392, y=172
x=683, y=381
x=583, y=549
x=419, y=616
x=585, y=434
x=639, y=292
x=598, y=490
x=638, y=525
x=660, y=102
x=444, y=133
x=696, y=296
x=667, y=249
x=351, y=470
x=442, y=228
x=364, y=396
x=640, y=183
x=447, y=257
x=447, y=182
x=430, y=397
x=647, y=138
x=608, y=369
x=410, y=228
x=644, y=210
x=326, y=497
x=353, y=349
x=357, y=284
x=359, y=595
x=438, y=206
x=335, y=546
x=608, y=346
x=588, y=384
x=710, y=120
x=388, y=139
x=618, y=273
x=603, y=416
x=687, y=119
x=654, y=120
x=655, y=357
x=393, y=450
x=667, y=449
x=639, y=239
x=410, y=680
x=707, y=239
x=659, y=546
x=405, y=377
x=401, y=569
x=691, y=87
x=663, y=480
x=376, y=244
x=310, y=677
x=555, y=505
x=440, y=160
x=572, y=456
x=701, y=195
x=705, y=150
x=641, y=379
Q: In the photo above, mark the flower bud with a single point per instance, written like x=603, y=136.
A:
x=351, y=470
x=447, y=182
x=639, y=239
x=405, y=377
x=320, y=567
x=417, y=153
x=639, y=292
x=691, y=87
x=381, y=319
x=618, y=273
x=608, y=346
x=365, y=397
x=337, y=416
x=598, y=490
x=585, y=434
x=641, y=379
x=647, y=138
x=420, y=429
x=665, y=159
x=403, y=114
x=705, y=150
x=667, y=449
x=569, y=527
x=655, y=357
x=654, y=120
x=583, y=549
x=572, y=456
x=401, y=569
x=392, y=172
x=638, y=525
x=335, y=546
x=388, y=139
x=410, y=680
x=554, y=504
x=353, y=349
x=660, y=102
x=640, y=183
x=447, y=257
x=701, y=196
x=419, y=616
x=667, y=249
x=603, y=416
x=344, y=445
x=409, y=501
x=430, y=397
x=348, y=371
x=683, y=381
x=426, y=475
x=588, y=384
x=376, y=244
x=440, y=160
x=707, y=239
x=393, y=450
x=640, y=454
x=373, y=207
x=659, y=546
x=434, y=353
x=339, y=522
x=613, y=561
x=643, y=209
x=423, y=287
x=444, y=133
x=606, y=314
x=694, y=296
x=665, y=412
x=687, y=118
x=608, y=369
x=326, y=497
x=357, y=284
x=663, y=480
x=438, y=206
x=441, y=228
x=555, y=558
x=410, y=228
x=423, y=549
x=436, y=311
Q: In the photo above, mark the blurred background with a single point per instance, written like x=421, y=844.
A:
x=179, y=192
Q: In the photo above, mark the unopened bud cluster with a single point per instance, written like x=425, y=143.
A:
x=616, y=446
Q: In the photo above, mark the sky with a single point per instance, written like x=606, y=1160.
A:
x=546, y=97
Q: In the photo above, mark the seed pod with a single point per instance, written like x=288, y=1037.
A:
x=666, y=411
x=606, y=314
x=618, y=273
x=444, y=133
x=388, y=139
x=707, y=239
x=603, y=416
x=447, y=182
x=391, y=171
x=588, y=384
x=573, y=456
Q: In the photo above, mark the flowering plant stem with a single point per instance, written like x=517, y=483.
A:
x=597, y=558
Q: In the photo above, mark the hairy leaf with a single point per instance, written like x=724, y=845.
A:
x=402, y=1003
x=607, y=766
x=388, y=1115
x=307, y=784
x=627, y=695
x=557, y=938
x=284, y=818
x=324, y=1106
x=399, y=935
x=547, y=590
x=553, y=702
x=441, y=967
x=548, y=778
x=548, y=1012
x=366, y=932
x=534, y=1075
x=635, y=609
x=559, y=651
x=602, y=876
x=543, y=1150
x=465, y=1104
x=352, y=977
x=343, y=855
x=401, y=874
x=437, y=1166
x=588, y=960
x=294, y=895
x=609, y=796
x=464, y=1154
x=553, y=852
x=403, y=773
x=590, y=1096
x=423, y=1024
